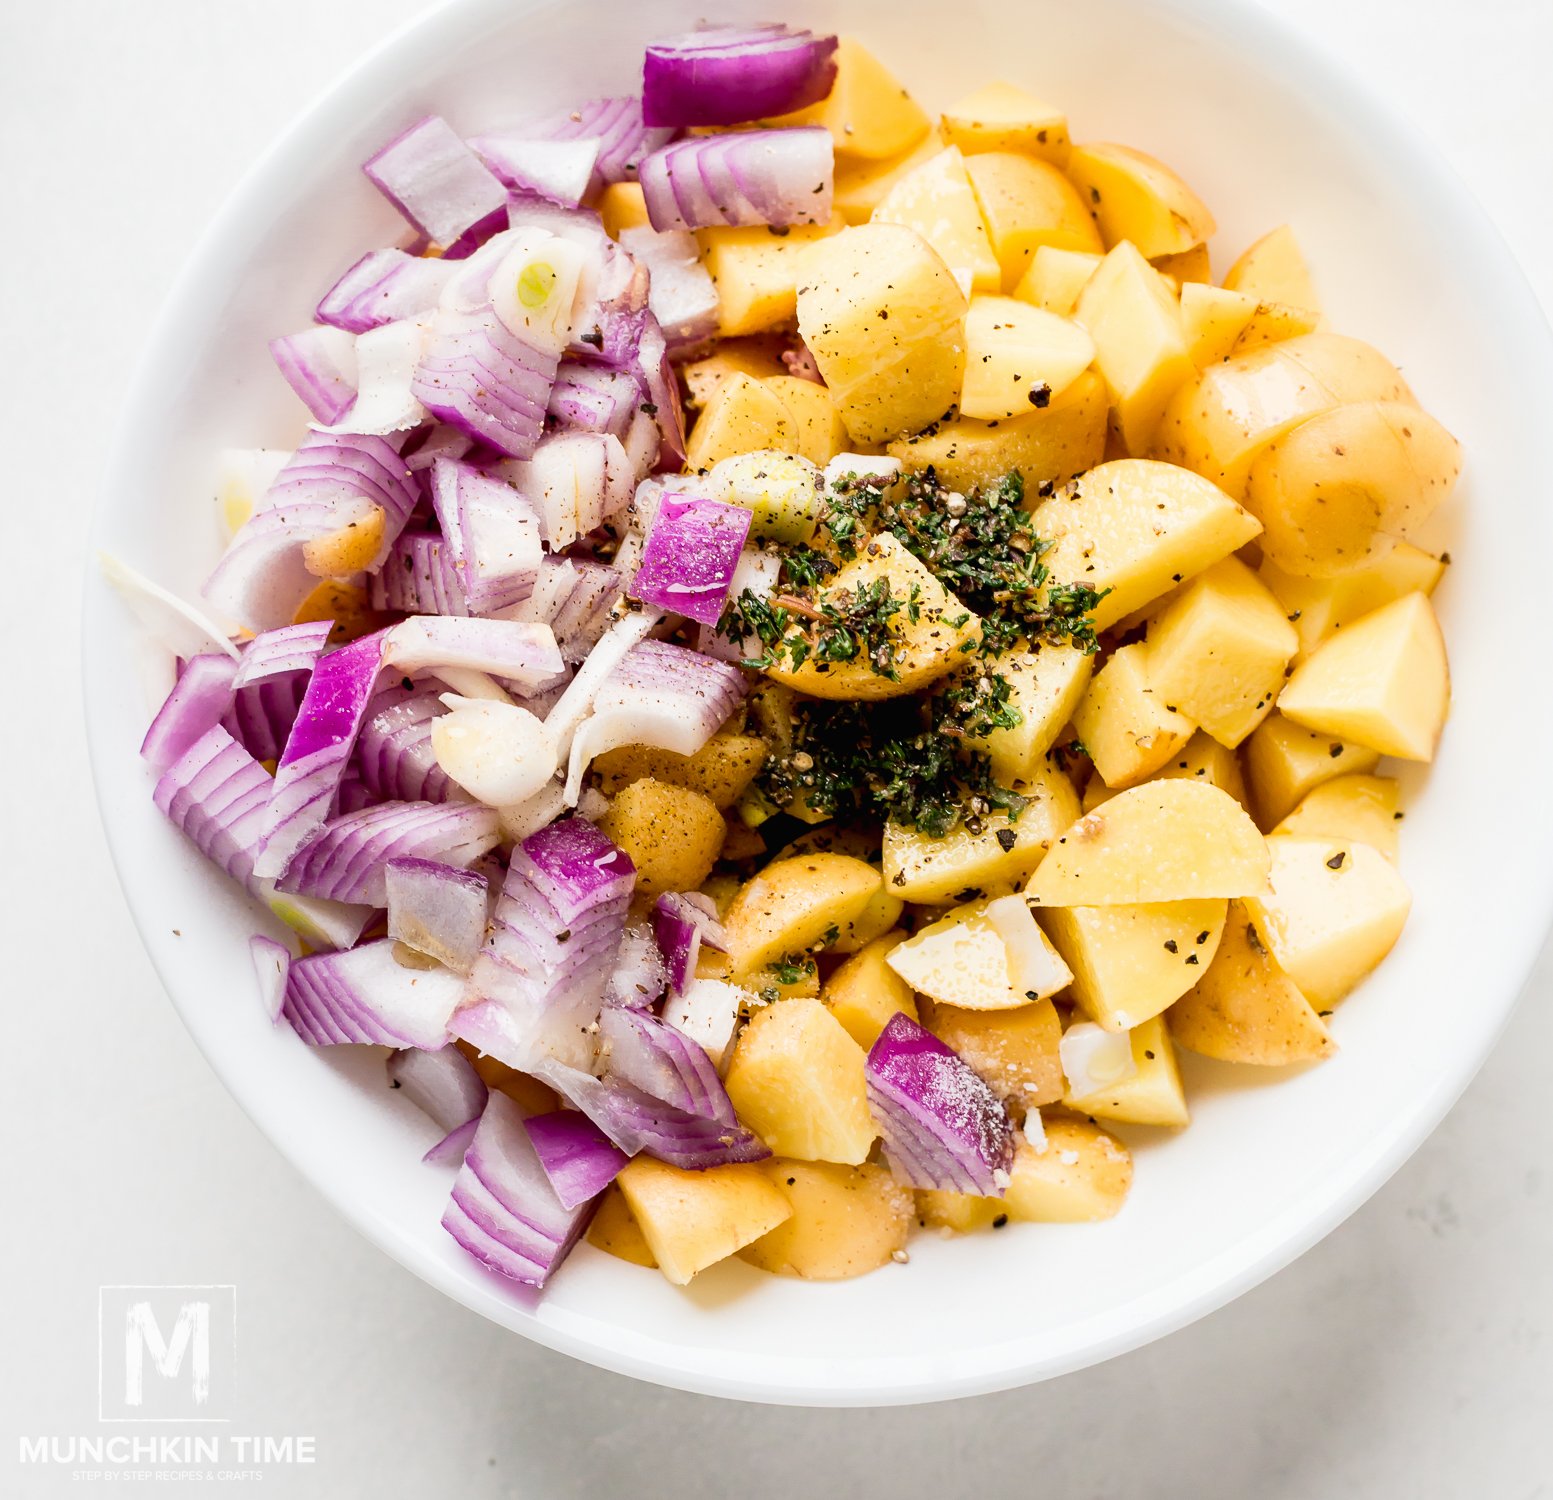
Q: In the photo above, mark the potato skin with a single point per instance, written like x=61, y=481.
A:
x=672, y=834
x=846, y=1220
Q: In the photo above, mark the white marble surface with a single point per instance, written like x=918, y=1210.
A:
x=1409, y=1355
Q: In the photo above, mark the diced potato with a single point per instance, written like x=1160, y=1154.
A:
x=533, y=1097
x=338, y=554
x=1273, y=322
x=1319, y=607
x=1078, y=1174
x=1218, y=651
x=792, y=905
x=1284, y=761
x=691, y=1220
x=783, y=491
x=884, y=319
x=1129, y=729
x=935, y=200
x=621, y=206
x=925, y=649
x=1349, y=807
x=835, y=838
x=1028, y=203
x=759, y=357
x=1162, y=841
x=865, y=991
x=1334, y=909
x=755, y=269
x=791, y=981
x=1045, y=686
x=1213, y=319
x=1274, y=270
x=1186, y=267
x=964, y=959
x=821, y=432
x=1383, y=682
x=347, y=604
x=1218, y=424
x=964, y=1213
x=1137, y=198
x=962, y=865
x=1047, y=446
x=744, y=414
x=719, y=770
x=1018, y=357
x=1001, y=117
x=845, y=1220
x=1140, y=344
x=1203, y=758
x=1056, y=278
x=1339, y=488
x=614, y=1230
x=869, y=112
x=671, y=833
x=1245, y=1009
x=862, y=185
x=1130, y=962
x=796, y=1079
x=1137, y=528
x=1151, y=1094
x=1014, y=1050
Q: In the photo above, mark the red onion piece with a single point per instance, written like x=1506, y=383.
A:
x=728, y=75
x=576, y=481
x=438, y=909
x=651, y=1055
x=454, y=1146
x=319, y=364
x=197, y=704
x=271, y=965
x=275, y=653
x=518, y=649
x=590, y=398
x=436, y=181
x=558, y=170
x=442, y=1084
x=681, y=922
x=383, y=287
x=492, y=533
x=693, y=548
x=363, y=995
x=662, y=387
x=681, y=293
x=616, y=124
x=943, y=1127
x=777, y=177
x=640, y=975
x=394, y=752
x=578, y=1158
x=419, y=578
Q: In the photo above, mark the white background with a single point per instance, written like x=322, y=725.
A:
x=1411, y=1354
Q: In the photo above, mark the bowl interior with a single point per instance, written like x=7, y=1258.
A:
x=1267, y=133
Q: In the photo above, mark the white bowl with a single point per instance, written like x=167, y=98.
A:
x=1268, y=131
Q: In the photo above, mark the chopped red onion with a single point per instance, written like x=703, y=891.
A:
x=708, y=1012
x=438, y=909
x=576, y=480
x=364, y=995
x=728, y=75
x=436, y=181
x=183, y=628
x=574, y=596
x=662, y=387
x=758, y=573
x=681, y=293
x=492, y=533
x=319, y=364
x=558, y=170
x=578, y=1158
x=518, y=649
x=271, y=964
x=419, y=578
x=652, y=1056
x=616, y=124
x=590, y=398
x=384, y=286
x=455, y=1144
x=693, y=548
x=262, y=715
x=198, y=702
x=277, y=653
x=681, y=922
x=943, y=1127
x=778, y=177
x=386, y=361
x=441, y=1084
x=640, y=976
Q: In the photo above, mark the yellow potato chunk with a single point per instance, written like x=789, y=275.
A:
x=1018, y=357
x=1130, y=962
x=970, y=959
x=862, y=185
x=781, y=490
x=614, y=1230
x=744, y=414
x=1213, y=319
x=338, y=554
x=1218, y=424
x=1186, y=267
x=1140, y=344
x=1339, y=488
x=1001, y=117
x=755, y=269
x=1014, y=1050
x=1334, y=909
x=1274, y=321
x=1217, y=651
x=1350, y=807
x=1138, y=528
x=865, y=991
x=1047, y=446
x=1274, y=270
x=758, y=356
x=963, y=865
x=1077, y=1175
x=868, y=111
x=691, y=1220
x=719, y=770
x=1319, y=607
x=621, y=206
x=1245, y=1009
x=925, y=649
x=1128, y=728
x=1383, y=682
x=796, y=1079
x=935, y=200
x=1055, y=279
x=1204, y=759
x=845, y=1220
x=1151, y=1094
x=884, y=319
x=962, y=1213
x=1045, y=686
x=671, y=833
x=1162, y=841
x=821, y=434
x=1028, y=203
x=1134, y=197
x=791, y=906
x=1284, y=761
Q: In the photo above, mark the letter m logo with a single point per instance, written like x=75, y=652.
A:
x=165, y=1354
